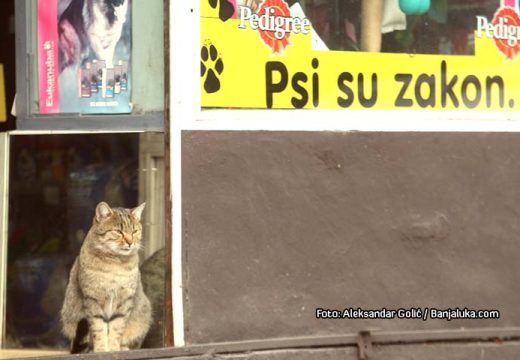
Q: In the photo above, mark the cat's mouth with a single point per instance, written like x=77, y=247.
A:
x=126, y=251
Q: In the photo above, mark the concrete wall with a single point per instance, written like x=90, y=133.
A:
x=277, y=224
x=444, y=351
x=484, y=351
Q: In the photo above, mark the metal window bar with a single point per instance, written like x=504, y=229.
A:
x=487, y=335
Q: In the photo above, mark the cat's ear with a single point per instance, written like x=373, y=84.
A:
x=103, y=211
x=138, y=211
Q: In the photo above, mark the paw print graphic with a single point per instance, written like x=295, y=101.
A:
x=211, y=66
x=225, y=10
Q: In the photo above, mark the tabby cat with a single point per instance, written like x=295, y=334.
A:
x=152, y=274
x=104, y=299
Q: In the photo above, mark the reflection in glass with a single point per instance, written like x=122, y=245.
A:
x=446, y=28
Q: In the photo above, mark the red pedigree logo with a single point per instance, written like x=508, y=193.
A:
x=504, y=29
x=277, y=9
x=274, y=23
x=508, y=19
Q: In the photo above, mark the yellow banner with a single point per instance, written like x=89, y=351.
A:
x=3, y=113
x=239, y=70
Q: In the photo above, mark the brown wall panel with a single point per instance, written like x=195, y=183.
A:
x=277, y=224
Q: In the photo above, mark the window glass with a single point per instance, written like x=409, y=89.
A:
x=447, y=27
x=55, y=184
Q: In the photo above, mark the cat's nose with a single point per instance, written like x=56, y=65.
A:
x=128, y=240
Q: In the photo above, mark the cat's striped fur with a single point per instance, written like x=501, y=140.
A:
x=104, y=289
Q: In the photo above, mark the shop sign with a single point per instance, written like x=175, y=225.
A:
x=266, y=60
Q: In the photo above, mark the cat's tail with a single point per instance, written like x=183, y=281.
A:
x=80, y=344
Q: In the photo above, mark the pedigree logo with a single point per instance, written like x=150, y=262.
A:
x=274, y=23
x=504, y=29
